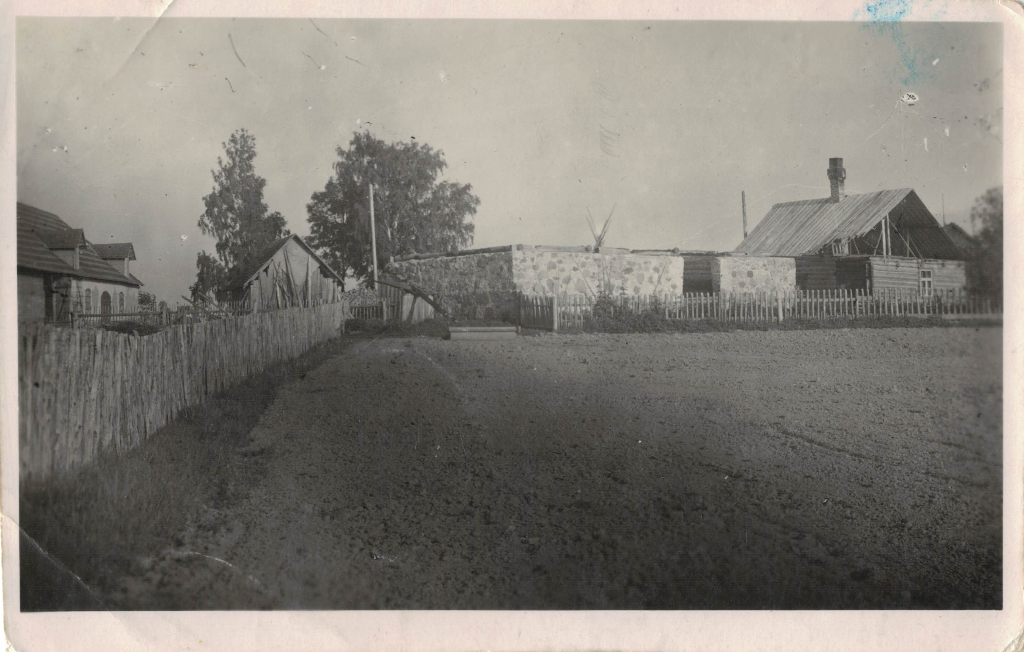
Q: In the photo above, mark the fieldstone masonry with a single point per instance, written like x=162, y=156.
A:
x=753, y=274
x=546, y=272
x=483, y=284
x=475, y=286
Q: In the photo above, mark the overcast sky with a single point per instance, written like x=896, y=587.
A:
x=121, y=121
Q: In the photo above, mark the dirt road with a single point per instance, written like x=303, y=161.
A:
x=818, y=469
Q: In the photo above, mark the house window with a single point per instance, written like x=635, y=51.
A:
x=120, y=302
x=105, y=303
x=88, y=301
x=926, y=282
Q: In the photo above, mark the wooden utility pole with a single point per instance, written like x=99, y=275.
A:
x=943, y=209
x=743, y=199
x=373, y=237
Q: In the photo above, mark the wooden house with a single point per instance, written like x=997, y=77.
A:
x=286, y=273
x=875, y=240
x=62, y=275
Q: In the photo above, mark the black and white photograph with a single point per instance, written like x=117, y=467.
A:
x=382, y=314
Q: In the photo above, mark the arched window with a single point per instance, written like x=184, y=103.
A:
x=120, y=302
x=88, y=301
x=105, y=304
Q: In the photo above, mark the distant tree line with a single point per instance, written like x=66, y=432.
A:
x=985, y=262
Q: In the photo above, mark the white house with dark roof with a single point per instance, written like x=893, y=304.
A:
x=118, y=255
x=60, y=273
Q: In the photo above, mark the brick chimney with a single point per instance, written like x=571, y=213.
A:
x=837, y=179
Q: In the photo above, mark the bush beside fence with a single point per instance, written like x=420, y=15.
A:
x=82, y=391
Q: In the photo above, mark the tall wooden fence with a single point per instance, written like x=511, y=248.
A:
x=86, y=390
x=567, y=311
x=539, y=312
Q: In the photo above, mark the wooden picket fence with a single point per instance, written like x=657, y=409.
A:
x=83, y=391
x=382, y=310
x=393, y=304
x=369, y=312
x=567, y=311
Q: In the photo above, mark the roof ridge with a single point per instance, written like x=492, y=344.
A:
x=850, y=194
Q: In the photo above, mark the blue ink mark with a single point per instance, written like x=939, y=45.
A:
x=886, y=18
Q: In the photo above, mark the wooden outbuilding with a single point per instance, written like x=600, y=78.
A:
x=285, y=274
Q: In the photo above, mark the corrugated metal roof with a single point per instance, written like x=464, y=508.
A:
x=804, y=227
x=115, y=251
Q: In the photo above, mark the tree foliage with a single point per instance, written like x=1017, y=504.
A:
x=987, y=219
x=211, y=275
x=415, y=210
x=236, y=214
x=147, y=300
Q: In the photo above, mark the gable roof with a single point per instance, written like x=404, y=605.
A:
x=805, y=227
x=94, y=267
x=961, y=238
x=33, y=254
x=62, y=240
x=37, y=229
x=41, y=219
x=115, y=251
x=241, y=275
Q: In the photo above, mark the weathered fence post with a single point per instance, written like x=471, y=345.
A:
x=554, y=313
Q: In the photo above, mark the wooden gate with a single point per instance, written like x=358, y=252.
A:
x=538, y=312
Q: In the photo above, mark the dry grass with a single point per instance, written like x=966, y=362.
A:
x=655, y=322
x=96, y=521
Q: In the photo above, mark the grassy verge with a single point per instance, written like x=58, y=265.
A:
x=651, y=322
x=657, y=323
x=96, y=521
x=379, y=328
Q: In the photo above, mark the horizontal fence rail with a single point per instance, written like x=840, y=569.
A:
x=568, y=311
x=173, y=315
x=96, y=319
x=82, y=391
